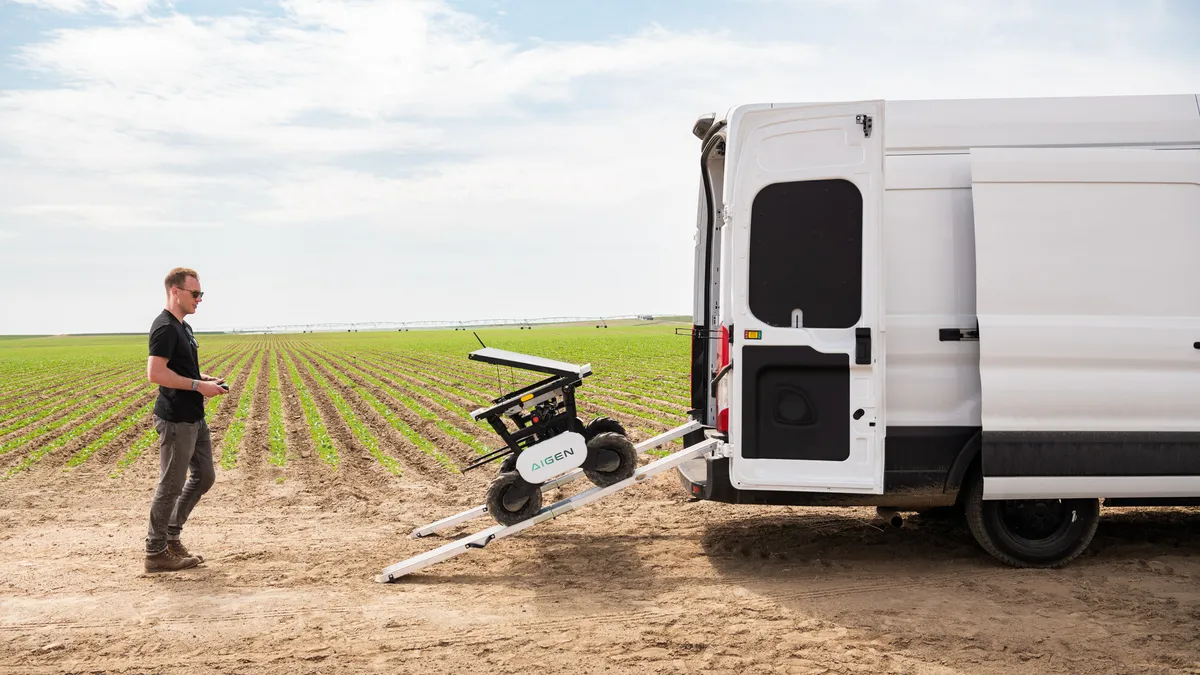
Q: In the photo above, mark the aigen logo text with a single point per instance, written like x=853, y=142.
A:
x=556, y=457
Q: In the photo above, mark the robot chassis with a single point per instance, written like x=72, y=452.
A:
x=549, y=439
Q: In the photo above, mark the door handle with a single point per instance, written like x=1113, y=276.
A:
x=958, y=334
x=862, y=345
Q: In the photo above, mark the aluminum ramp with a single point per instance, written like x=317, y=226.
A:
x=484, y=537
x=481, y=510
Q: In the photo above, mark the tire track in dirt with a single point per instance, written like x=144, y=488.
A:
x=412, y=460
x=765, y=596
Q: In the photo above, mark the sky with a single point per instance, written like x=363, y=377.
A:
x=321, y=162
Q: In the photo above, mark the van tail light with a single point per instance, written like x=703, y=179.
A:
x=723, y=381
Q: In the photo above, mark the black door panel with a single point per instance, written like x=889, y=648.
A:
x=797, y=402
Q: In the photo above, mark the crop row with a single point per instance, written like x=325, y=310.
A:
x=417, y=392
x=216, y=368
x=415, y=406
x=414, y=436
x=22, y=396
x=89, y=423
x=660, y=414
x=237, y=426
x=316, y=428
x=277, y=431
x=82, y=420
x=35, y=395
x=65, y=401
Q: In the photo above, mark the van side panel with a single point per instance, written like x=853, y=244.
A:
x=1088, y=287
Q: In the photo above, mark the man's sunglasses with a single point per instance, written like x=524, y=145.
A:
x=195, y=294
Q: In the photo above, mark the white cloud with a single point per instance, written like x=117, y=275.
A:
x=295, y=102
x=419, y=121
x=5, y=234
x=292, y=102
x=122, y=8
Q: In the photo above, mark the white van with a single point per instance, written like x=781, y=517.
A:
x=992, y=305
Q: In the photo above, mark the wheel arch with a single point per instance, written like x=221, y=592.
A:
x=968, y=458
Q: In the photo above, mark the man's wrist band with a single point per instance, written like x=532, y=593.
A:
x=194, y=385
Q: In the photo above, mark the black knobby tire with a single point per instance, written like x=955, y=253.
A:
x=1042, y=533
x=611, y=459
x=509, y=464
x=510, y=499
x=603, y=425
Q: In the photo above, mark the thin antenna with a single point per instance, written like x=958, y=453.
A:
x=499, y=380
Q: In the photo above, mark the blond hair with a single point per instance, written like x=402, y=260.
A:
x=178, y=276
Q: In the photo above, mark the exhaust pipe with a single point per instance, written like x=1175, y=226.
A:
x=890, y=516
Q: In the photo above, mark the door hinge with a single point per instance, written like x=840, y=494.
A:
x=865, y=121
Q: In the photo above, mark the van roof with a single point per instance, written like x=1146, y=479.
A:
x=957, y=125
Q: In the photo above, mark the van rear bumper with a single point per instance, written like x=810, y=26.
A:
x=707, y=478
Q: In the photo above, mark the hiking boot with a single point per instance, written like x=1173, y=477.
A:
x=175, y=546
x=168, y=561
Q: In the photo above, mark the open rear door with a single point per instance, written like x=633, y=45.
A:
x=1088, y=296
x=806, y=403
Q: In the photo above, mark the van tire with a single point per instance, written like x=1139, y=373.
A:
x=1002, y=538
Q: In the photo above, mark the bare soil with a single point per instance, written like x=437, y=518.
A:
x=643, y=582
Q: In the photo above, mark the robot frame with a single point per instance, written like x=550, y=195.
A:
x=549, y=438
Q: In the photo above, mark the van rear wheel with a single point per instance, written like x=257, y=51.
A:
x=1039, y=533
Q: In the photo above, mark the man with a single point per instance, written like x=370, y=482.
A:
x=184, y=441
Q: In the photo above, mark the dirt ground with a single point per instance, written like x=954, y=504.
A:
x=643, y=582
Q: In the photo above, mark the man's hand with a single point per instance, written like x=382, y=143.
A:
x=209, y=378
x=210, y=389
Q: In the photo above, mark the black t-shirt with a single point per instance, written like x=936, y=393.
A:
x=173, y=340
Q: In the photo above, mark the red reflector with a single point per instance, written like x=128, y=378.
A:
x=723, y=419
x=535, y=419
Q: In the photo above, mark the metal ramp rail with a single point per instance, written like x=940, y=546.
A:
x=497, y=531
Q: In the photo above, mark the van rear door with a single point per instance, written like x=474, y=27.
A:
x=806, y=298
x=706, y=285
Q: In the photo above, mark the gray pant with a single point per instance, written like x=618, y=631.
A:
x=181, y=445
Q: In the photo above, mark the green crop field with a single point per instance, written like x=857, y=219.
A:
x=399, y=398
